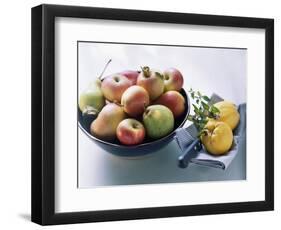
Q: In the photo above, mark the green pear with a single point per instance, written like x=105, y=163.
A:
x=91, y=101
x=158, y=121
x=105, y=125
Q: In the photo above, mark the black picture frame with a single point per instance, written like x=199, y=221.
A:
x=43, y=110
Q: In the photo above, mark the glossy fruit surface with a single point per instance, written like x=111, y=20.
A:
x=134, y=100
x=173, y=79
x=152, y=82
x=132, y=75
x=114, y=86
x=217, y=137
x=92, y=100
x=149, y=145
x=105, y=125
x=228, y=113
x=158, y=121
x=130, y=132
x=174, y=101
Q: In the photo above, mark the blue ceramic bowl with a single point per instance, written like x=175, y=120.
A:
x=147, y=147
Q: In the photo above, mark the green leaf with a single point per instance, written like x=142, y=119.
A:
x=196, y=110
x=194, y=106
x=212, y=115
x=192, y=95
x=214, y=109
x=202, y=110
x=206, y=98
x=190, y=118
x=205, y=106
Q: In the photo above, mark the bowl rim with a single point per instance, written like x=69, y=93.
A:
x=143, y=144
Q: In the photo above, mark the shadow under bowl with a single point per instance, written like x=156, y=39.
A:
x=147, y=147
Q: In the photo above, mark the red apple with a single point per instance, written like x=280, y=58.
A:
x=131, y=75
x=152, y=82
x=174, y=101
x=130, y=132
x=114, y=86
x=173, y=79
x=134, y=100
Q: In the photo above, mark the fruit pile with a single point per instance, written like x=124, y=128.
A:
x=217, y=136
x=214, y=122
x=134, y=105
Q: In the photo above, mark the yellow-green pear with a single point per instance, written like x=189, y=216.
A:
x=92, y=99
x=105, y=125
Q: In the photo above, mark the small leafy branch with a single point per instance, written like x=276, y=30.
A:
x=203, y=110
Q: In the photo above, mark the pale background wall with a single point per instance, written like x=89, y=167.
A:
x=15, y=114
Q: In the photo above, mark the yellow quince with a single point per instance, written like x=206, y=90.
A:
x=217, y=137
x=228, y=113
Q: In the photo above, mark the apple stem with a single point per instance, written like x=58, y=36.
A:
x=105, y=67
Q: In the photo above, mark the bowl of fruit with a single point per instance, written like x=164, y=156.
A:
x=134, y=113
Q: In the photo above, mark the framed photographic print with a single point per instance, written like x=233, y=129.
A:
x=143, y=114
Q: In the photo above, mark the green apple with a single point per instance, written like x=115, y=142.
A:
x=158, y=121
